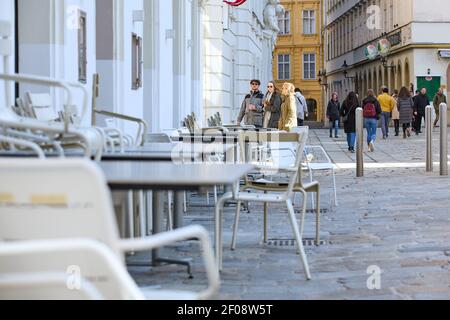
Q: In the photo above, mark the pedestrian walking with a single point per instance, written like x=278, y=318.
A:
x=396, y=114
x=302, y=107
x=439, y=98
x=333, y=111
x=414, y=118
x=252, y=108
x=405, y=107
x=387, y=104
x=348, y=114
x=420, y=103
x=288, y=119
x=272, y=107
x=371, y=113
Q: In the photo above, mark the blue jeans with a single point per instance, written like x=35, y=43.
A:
x=351, y=139
x=385, y=118
x=371, y=126
x=335, y=125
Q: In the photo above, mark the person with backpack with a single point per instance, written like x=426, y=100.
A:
x=333, y=111
x=371, y=112
x=302, y=107
x=348, y=114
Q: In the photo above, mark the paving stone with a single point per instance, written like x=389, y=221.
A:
x=397, y=217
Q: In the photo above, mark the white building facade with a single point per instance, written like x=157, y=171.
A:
x=420, y=41
x=239, y=43
x=159, y=60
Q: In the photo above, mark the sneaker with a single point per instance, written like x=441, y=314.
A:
x=352, y=150
x=371, y=146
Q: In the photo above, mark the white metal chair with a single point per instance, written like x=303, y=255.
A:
x=56, y=200
x=16, y=126
x=42, y=109
x=317, y=159
x=246, y=141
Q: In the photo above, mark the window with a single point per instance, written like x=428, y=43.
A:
x=284, y=67
x=284, y=23
x=309, y=66
x=309, y=22
x=82, y=47
x=136, y=63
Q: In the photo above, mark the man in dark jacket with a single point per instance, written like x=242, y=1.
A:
x=420, y=103
x=252, y=108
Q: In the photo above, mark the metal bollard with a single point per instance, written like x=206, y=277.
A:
x=444, y=140
x=359, y=143
x=429, y=137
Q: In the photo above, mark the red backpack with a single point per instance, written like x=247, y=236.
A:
x=370, y=111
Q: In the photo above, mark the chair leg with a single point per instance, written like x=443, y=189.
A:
x=266, y=222
x=185, y=202
x=236, y=225
x=305, y=200
x=207, y=198
x=169, y=212
x=298, y=238
x=335, y=191
x=318, y=218
x=218, y=216
x=215, y=194
x=311, y=179
x=142, y=222
x=130, y=214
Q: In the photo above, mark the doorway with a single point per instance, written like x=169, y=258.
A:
x=432, y=84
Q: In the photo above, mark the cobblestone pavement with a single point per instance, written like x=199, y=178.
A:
x=396, y=218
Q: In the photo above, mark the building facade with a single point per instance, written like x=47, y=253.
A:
x=159, y=60
x=238, y=44
x=420, y=44
x=298, y=57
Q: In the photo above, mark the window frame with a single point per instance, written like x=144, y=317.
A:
x=308, y=69
x=285, y=23
x=284, y=67
x=309, y=21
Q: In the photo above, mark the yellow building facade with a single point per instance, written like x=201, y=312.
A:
x=298, y=55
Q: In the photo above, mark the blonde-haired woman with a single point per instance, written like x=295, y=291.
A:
x=288, y=118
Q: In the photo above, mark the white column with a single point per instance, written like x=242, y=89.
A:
x=151, y=63
x=179, y=62
x=7, y=14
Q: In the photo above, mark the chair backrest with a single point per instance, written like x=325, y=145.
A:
x=42, y=106
x=56, y=200
x=71, y=269
x=275, y=141
x=157, y=138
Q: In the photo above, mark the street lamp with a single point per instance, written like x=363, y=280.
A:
x=384, y=63
x=345, y=67
x=322, y=74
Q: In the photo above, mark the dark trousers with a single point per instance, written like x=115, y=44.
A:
x=406, y=126
x=419, y=121
x=397, y=126
x=300, y=122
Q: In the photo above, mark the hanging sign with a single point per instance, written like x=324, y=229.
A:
x=235, y=3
